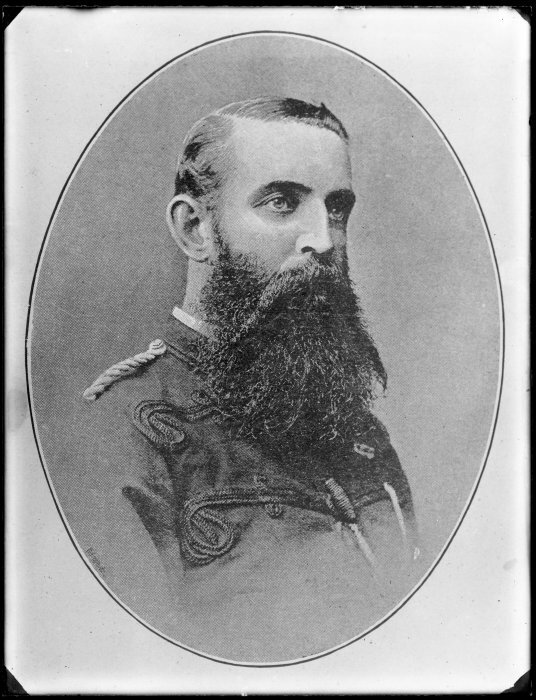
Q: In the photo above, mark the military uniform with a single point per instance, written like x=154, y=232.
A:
x=218, y=546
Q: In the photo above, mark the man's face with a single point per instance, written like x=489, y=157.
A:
x=287, y=193
x=291, y=365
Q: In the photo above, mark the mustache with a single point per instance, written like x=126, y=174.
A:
x=314, y=269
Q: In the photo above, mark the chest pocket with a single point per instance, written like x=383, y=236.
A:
x=159, y=423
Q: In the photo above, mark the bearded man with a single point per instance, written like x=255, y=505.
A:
x=240, y=461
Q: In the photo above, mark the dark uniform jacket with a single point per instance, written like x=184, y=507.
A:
x=222, y=549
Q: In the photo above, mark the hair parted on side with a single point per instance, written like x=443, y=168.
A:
x=201, y=165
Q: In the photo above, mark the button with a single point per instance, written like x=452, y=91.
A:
x=364, y=450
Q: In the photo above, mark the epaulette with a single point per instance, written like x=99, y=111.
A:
x=125, y=368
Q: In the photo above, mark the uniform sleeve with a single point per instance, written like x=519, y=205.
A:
x=118, y=502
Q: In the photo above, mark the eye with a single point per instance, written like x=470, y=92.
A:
x=337, y=212
x=280, y=204
x=339, y=205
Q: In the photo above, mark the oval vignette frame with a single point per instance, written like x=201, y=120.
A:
x=500, y=376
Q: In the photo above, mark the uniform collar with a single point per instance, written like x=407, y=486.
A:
x=181, y=338
x=189, y=320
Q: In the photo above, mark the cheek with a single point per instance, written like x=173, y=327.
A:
x=339, y=237
x=246, y=233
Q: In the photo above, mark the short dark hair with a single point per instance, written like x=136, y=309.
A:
x=200, y=169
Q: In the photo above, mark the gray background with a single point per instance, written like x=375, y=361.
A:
x=419, y=254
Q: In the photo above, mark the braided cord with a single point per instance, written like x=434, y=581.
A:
x=206, y=534
x=347, y=513
x=125, y=368
x=400, y=517
x=341, y=501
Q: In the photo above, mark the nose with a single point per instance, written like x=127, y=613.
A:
x=316, y=236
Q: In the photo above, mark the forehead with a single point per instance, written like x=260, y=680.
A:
x=268, y=151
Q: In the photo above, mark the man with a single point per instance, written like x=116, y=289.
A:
x=238, y=459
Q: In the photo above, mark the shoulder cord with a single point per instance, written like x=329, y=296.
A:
x=349, y=516
x=125, y=368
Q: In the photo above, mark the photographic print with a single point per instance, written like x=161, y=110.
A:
x=283, y=318
x=266, y=350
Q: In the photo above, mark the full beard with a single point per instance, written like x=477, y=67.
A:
x=291, y=366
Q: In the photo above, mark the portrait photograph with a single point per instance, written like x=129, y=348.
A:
x=264, y=347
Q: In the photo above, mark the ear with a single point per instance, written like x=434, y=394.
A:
x=190, y=226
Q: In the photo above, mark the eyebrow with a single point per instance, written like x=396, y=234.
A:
x=346, y=196
x=280, y=186
x=290, y=186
